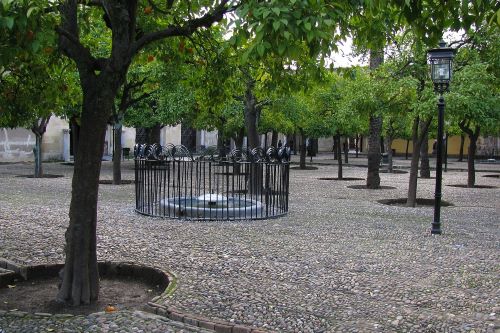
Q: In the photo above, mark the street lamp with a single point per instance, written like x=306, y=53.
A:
x=441, y=71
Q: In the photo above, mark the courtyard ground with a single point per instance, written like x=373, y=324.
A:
x=338, y=262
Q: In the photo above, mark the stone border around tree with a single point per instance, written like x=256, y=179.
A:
x=475, y=186
x=10, y=272
x=420, y=202
x=346, y=179
x=122, y=182
x=218, y=326
x=47, y=176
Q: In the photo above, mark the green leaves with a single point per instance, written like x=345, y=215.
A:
x=7, y=22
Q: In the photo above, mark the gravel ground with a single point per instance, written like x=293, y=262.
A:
x=339, y=262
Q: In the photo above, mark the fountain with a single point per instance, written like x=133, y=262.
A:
x=213, y=206
x=172, y=182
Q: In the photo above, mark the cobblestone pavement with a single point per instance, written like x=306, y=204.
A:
x=123, y=321
x=339, y=262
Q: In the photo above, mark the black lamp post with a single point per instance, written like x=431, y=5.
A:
x=441, y=70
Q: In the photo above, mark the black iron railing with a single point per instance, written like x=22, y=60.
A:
x=170, y=181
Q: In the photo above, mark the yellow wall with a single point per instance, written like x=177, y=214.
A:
x=453, y=145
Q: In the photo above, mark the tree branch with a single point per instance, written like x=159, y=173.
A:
x=138, y=99
x=187, y=29
x=263, y=103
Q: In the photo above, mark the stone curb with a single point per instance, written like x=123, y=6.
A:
x=155, y=275
x=216, y=325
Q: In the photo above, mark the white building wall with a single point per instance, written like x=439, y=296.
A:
x=171, y=134
x=16, y=145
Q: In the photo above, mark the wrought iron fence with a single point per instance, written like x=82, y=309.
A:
x=171, y=181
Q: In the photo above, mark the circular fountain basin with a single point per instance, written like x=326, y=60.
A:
x=213, y=206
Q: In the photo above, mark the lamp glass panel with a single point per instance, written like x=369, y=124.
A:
x=441, y=70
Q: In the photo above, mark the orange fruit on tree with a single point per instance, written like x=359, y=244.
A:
x=148, y=10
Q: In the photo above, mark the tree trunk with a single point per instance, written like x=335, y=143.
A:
x=388, y=141
x=251, y=118
x=117, y=154
x=335, y=150
x=373, y=177
x=473, y=136
x=461, y=152
x=357, y=145
x=238, y=139
x=37, y=151
x=274, y=139
x=339, y=154
x=39, y=128
x=154, y=134
x=141, y=135
x=417, y=142
x=303, y=147
x=75, y=135
x=407, y=146
x=80, y=284
x=471, y=171
x=346, y=151
x=425, y=169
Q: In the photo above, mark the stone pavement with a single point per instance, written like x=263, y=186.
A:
x=122, y=321
x=338, y=262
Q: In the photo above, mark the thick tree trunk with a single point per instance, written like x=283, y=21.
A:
x=303, y=150
x=373, y=176
x=117, y=154
x=339, y=154
x=80, y=284
x=425, y=169
x=461, y=151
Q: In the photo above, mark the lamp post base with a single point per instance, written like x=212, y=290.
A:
x=436, y=228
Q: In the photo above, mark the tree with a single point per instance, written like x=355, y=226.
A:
x=474, y=101
x=31, y=91
x=335, y=103
x=101, y=79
